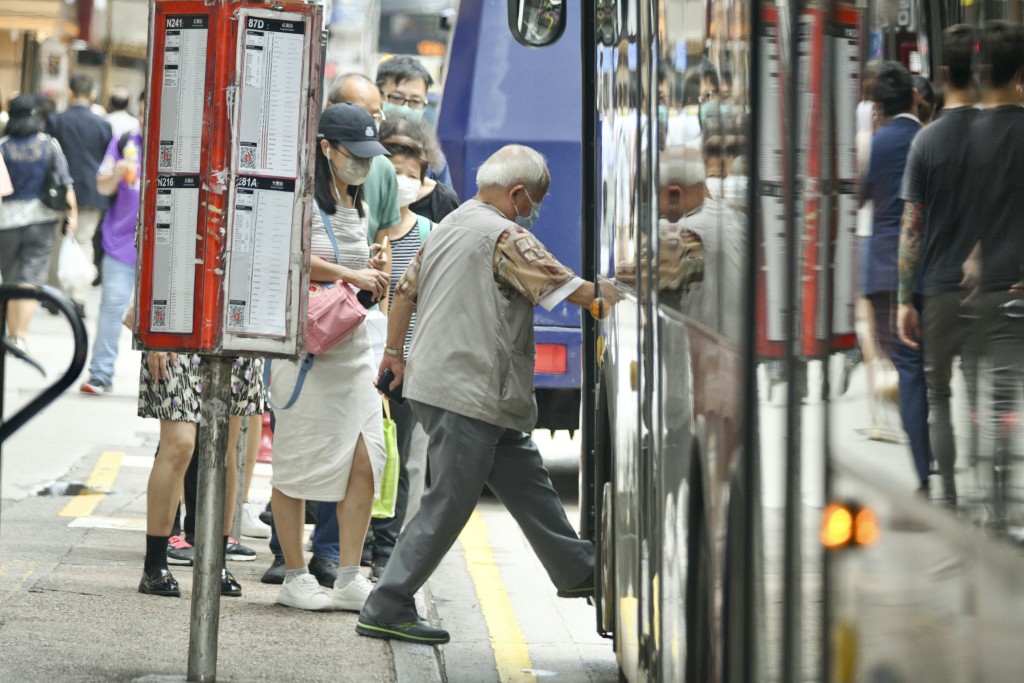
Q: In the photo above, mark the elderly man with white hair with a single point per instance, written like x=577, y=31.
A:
x=474, y=285
x=702, y=243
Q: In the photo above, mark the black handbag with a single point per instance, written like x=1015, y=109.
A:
x=54, y=193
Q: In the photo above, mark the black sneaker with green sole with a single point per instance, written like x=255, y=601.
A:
x=583, y=590
x=411, y=631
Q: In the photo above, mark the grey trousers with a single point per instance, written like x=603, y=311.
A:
x=947, y=327
x=464, y=454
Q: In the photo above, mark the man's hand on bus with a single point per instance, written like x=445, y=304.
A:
x=908, y=325
x=587, y=296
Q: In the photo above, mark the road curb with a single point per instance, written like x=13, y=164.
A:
x=419, y=663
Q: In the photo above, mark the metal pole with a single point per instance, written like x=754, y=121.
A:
x=3, y=379
x=209, y=558
x=241, y=450
x=792, y=586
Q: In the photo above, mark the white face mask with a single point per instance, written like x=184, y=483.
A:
x=408, y=190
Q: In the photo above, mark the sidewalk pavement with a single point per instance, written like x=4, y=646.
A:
x=69, y=606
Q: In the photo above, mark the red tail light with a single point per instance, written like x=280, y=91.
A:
x=551, y=358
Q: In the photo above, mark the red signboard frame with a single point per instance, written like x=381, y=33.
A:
x=215, y=176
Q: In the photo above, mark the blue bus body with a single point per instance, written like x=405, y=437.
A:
x=498, y=92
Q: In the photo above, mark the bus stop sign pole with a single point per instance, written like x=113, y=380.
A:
x=209, y=558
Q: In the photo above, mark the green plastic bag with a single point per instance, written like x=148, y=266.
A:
x=384, y=506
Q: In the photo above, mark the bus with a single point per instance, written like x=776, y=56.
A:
x=496, y=92
x=720, y=194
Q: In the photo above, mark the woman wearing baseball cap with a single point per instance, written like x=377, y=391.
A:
x=329, y=446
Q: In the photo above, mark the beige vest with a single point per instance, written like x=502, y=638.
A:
x=472, y=350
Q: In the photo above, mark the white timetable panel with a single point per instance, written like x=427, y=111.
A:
x=174, y=253
x=261, y=239
x=183, y=93
x=271, y=99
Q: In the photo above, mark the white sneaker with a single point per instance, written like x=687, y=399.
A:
x=353, y=596
x=252, y=525
x=304, y=592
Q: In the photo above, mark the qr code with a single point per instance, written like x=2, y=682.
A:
x=159, y=317
x=236, y=316
x=166, y=157
x=247, y=157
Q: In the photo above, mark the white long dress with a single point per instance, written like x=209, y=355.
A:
x=315, y=439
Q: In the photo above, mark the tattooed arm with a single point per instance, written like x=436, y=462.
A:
x=911, y=229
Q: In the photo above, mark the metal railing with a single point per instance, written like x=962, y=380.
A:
x=8, y=293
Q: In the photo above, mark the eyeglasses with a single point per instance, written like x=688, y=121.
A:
x=398, y=100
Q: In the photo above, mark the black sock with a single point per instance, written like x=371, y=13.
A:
x=225, y=564
x=156, y=553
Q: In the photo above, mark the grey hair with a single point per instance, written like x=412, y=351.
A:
x=681, y=165
x=514, y=165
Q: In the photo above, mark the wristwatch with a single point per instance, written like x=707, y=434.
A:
x=397, y=353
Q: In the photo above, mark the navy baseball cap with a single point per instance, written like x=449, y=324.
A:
x=353, y=127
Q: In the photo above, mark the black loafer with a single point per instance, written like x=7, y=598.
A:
x=161, y=582
x=325, y=571
x=228, y=585
x=267, y=517
x=584, y=590
x=411, y=631
x=379, y=563
x=275, y=573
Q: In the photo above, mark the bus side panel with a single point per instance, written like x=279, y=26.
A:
x=502, y=93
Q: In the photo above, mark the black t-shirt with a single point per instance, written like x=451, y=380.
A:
x=992, y=185
x=935, y=177
x=436, y=205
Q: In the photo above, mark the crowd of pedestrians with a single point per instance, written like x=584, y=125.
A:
x=943, y=268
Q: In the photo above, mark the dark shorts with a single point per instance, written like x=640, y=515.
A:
x=25, y=253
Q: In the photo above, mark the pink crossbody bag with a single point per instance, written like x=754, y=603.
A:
x=334, y=311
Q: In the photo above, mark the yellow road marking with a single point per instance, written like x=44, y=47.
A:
x=26, y=569
x=102, y=477
x=510, y=651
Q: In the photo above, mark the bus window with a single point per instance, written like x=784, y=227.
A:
x=536, y=23
x=702, y=116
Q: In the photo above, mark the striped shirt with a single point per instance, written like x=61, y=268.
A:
x=349, y=231
x=403, y=251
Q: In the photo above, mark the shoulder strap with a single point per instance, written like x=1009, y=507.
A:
x=425, y=225
x=330, y=233
x=304, y=367
x=55, y=149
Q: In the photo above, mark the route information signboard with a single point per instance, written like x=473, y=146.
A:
x=228, y=177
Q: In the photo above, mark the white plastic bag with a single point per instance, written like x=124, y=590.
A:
x=377, y=327
x=73, y=269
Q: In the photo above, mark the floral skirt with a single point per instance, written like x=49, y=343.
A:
x=179, y=397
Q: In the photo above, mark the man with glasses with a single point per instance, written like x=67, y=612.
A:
x=403, y=84
x=381, y=187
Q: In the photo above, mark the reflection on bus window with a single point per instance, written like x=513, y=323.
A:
x=540, y=21
x=700, y=242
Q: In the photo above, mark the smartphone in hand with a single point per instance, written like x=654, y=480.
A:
x=383, y=386
x=365, y=297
